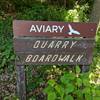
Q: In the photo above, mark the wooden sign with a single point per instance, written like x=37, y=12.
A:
x=53, y=29
x=55, y=58
x=50, y=42
x=54, y=51
x=43, y=40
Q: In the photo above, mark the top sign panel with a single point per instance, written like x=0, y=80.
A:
x=53, y=29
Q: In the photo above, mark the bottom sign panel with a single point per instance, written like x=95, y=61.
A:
x=80, y=58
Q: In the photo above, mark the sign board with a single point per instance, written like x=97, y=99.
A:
x=54, y=51
x=46, y=42
x=53, y=29
x=51, y=42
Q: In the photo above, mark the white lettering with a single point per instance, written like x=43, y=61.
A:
x=28, y=59
x=71, y=59
x=61, y=58
x=54, y=58
x=48, y=58
x=61, y=28
x=43, y=45
x=79, y=58
x=43, y=28
x=33, y=29
x=67, y=58
x=39, y=28
x=54, y=28
x=36, y=45
x=73, y=43
x=51, y=45
x=65, y=44
x=48, y=29
x=58, y=44
x=41, y=58
x=35, y=58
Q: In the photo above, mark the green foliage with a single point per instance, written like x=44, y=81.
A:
x=72, y=86
x=51, y=13
x=17, y=5
x=63, y=84
x=78, y=14
x=43, y=12
x=6, y=47
x=11, y=97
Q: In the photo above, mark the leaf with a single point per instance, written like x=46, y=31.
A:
x=12, y=57
x=65, y=79
x=88, y=97
x=68, y=97
x=52, y=96
x=97, y=92
x=79, y=82
x=3, y=62
x=60, y=90
x=79, y=94
x=86, y=82
x=86, y=90
x=96, y=98
x=70, y=88
x=78, y=70
x=48, y=89
x=51, y=82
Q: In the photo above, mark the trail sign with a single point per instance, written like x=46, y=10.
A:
x=54, y=51
x=50, y=42
x=53, y=29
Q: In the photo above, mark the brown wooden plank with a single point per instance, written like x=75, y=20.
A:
x=52, y=44
x=23, y=28
x=21, y=88
x=69, y=58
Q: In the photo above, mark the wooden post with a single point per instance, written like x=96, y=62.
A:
x=95, y=14
x=21, y=88
x=65, y=2
x=84, y=68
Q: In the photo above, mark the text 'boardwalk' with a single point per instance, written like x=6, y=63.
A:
x=45, y=42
